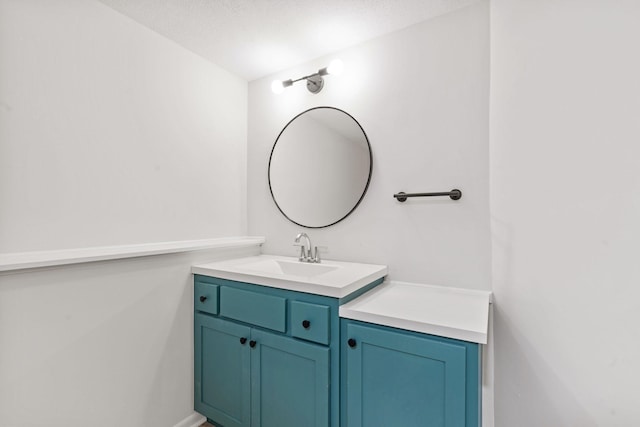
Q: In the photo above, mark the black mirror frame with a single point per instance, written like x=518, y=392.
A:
x=366, y=187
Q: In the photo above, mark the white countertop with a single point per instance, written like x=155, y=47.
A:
x=344, y=279
x=449, y=312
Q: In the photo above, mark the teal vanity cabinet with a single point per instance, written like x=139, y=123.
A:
x=244, y=373
x=394, y=377
x=265, y=357
x=222, y=370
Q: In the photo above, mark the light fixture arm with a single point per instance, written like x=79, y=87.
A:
x=307, y=77
x=315, y=82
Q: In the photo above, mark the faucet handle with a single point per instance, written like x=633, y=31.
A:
x=316, y=255
x=303, y=252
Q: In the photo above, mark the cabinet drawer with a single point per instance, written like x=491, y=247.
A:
x=252, y=307
x=205, y=297
x=310, y=322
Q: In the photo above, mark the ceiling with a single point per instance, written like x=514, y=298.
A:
x=254, y=38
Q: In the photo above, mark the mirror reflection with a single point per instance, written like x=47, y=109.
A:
x=320, y=167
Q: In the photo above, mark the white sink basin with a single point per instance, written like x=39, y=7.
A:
x=293, y=268
x=329, y=278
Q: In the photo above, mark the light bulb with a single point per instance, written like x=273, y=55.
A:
x=277, y=87
x=335, y=67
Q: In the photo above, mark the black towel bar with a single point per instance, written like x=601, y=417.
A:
x=455, y=194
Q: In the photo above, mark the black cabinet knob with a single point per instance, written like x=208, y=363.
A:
x=243, y=340
x=352, y=343
x=203, y=298
x=252, y=343
x=306, y=324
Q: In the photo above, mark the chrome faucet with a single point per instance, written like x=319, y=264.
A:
x=307, y=254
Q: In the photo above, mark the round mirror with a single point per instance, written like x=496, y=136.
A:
x=320, y=167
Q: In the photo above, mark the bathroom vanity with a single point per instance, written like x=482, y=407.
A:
x=285, y=342
x=254, y=356
x=267, y=339
x=411, y=356
x=272, y=350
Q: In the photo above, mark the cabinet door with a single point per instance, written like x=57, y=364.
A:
x=290, y=382
x=398, y=379
x=222, y=371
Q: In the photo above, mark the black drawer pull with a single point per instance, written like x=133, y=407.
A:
x=203, y=298
x=306, y=324
x=352, y=343
x=252, y=343
x=243, y=340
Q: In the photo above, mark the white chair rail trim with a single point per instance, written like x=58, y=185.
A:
x=28, y=260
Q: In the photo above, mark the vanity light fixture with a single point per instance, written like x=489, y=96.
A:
x=315, y=82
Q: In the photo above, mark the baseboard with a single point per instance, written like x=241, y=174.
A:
x=193, y=420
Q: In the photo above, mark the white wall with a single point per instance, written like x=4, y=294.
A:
x=103, y=344
x=565, y=205
x=111, y=134
x=421, y=96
